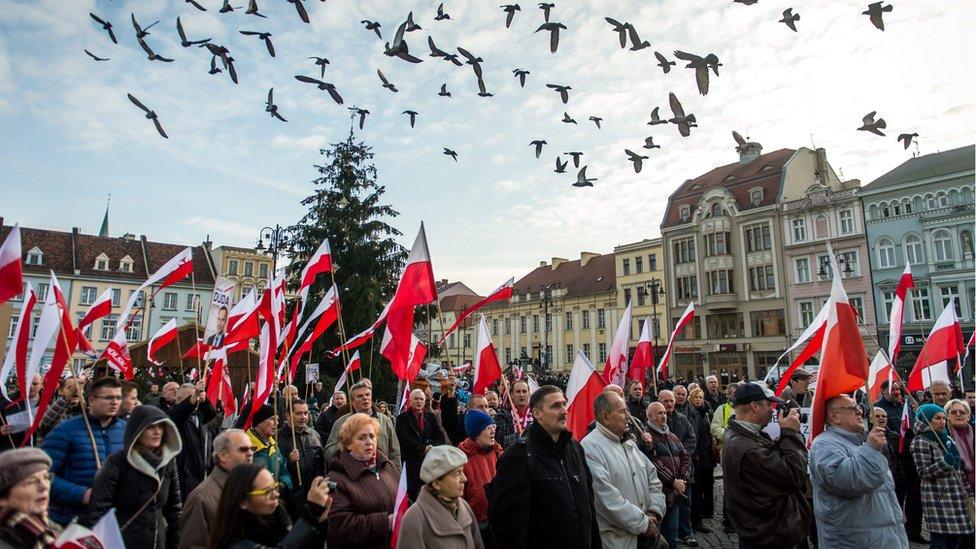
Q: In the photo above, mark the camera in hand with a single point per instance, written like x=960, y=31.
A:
x=331, y=485
x=787, y=406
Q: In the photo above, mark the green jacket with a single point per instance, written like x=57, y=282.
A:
x=268, y=456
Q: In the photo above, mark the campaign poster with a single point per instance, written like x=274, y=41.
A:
x=220, y=306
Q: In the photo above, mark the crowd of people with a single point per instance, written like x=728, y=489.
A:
x=493, y=470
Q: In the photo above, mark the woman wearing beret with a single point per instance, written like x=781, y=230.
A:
x=25, y=491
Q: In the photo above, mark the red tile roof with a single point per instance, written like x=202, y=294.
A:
x=455, y=303
x=158, y=253
x=598, y=275
x=88, y=247
x=55, y=245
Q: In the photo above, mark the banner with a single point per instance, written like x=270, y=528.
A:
x=311, y=372
x=220, y=304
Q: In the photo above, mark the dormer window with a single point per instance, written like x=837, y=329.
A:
x=756, y=196
x=35, y=256
x=125, y=264
x=684, y=213
x=101, y=262
x=717, y=210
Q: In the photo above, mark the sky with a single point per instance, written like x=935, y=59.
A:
x=69, y=137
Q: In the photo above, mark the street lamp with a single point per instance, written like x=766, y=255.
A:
x=546, y=299
x=841, y=260
x=655, y=289
x=279, y=242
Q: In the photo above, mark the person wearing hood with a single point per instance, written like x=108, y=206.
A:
x=483, y=452
x=142, y=483
x=25, y=490
x=945, y=494
x=264, y=425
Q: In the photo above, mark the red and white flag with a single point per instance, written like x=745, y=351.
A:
x=399, y=508
x=643, y=355
x=583, y=387
x=812, y=336
x=11, y=267
x=176, y=269
x=324, y=315
x=320, y=262
x=354, y=364
x=502, y=292
x=415, y=360
x=416, y=287
x=105, y=534
x=486, y=367
x=905, y=283
x=16, y=358
x=615, y=370
x=199, y=349
x=879, y=372
x=944, y=343
x=163, y=337
x=101, y=308
x=264, y=380
x=686, y=317
x=904, y=426
x=116, y=355
x=243, y=322
x=219, y=388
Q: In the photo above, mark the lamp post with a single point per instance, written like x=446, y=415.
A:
x=546, y=299
x=656, y=291
x=279, y=241
x=841, y=260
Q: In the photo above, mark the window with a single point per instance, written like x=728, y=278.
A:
x=858, y=304
x=943, y=200
x=756, y=196
x=450, y=340
x=802, y=270
x=35, y=322
x=42, y=292
x=134, y=330
x=108, y=327
x=762, y=278
x=35, y=256
x=467, y=340
x=849, y=259
x=627, y=294
x=799, y=230
x=942, y=244
x=684, y=250
x=888, y=297
x=116, y=297
x=535, y=323
x=569, y=321
x=692, y=330
x=138, y=301
x=602, y=347
x=626, y=267
x=508, y=327
x=920, y=304
x=914, y=253
x=896, y=208
x=125, y=264
x=191, y=302
x=87, y=295
x=768, y=323
x=652, y=262
x=719, y=282
x=548, y=322
x=248, y=268
x=846, y=222
x=586, y=350
x=263, y=270
x=641, y=296
x=806, y=313
x=570, y=354
x=601, y=318
x=716, y=210
x=929, y=202
x=585, y=316
x=169, y=301
x=13, y=325
x=765, y=361
x=758, y=238
x=725, y=325
x=686, y=287
x=717, y=244
x=232, y=267
x=949, y=292
x=494, y=326
x=885, y=210
x=101, y=265
x=522, y=324
x=684, y=213
x=907, y=205
x=639, y=264
x=508, y=356
x=886, y=253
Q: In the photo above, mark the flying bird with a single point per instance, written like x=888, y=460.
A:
x=482, y=91
x=95, y=57
x=649, y=143
x=183, y=40
x=224, y=54
x=213, y=65
x=272, y=108
x=596, y=120
x=538, y=143
x=520, y=74
x=510, y=10
x=582, y=180
x=300, y=8
x=196, y=5
x=636, y=43
x=252, y=9
x=411, y=26
x=437, y=52
x=620, y=29
x=906, y=139
x=227, y=8
x=472, y=60
x=683, y=121
x=876, y=13
x=153, y=56
x=440, y=13
x=451, y=153
x=664, y=63
x=789, y=19
x=324, y=86
x=386, y=83
x=105, y=25
x=413, y=117
x=553, y=29
x=141, y=32
x=399, y=47
x=637, y=159
x=151, y=115
x=266, y=36
x=568, y=119
x=362, y=115
x=373, y=26
x=562, y=90
x=656, y=118
x=745, y=2
x=545, y=7
x=561, y=166
x=576, y=157
x=872, y=125
x=321, y=62
x=701, y=66
x=444, y=92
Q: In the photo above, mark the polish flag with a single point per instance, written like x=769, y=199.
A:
x=502, y=292
x=11, y=268
x=354, y=364
x=219, y=388
x=879, y=372
x=163, y=337
x=686, y=317
x=965, y=357
x=105, y=534
x=402, y=405
x=174, y=270
x=399, y=508
x=264, y=380
x=843, y=360
x=199, y=349
x=486, y=367
x=99, y=309
x=812, y=336
x=615, y=370
x=320, y=262
x=943, y=344
x=242, y=321
x=116, y=355
x=416, y=287
x=583, y=387
x=17, y=355
x=905, y=283
x=415, y=360
x=643, y=355
x=354, y=342
x=327, y=312
x=904, y=426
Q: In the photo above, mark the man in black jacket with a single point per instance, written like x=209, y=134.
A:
x=417, y=431
x=305, y=457
x=191, y=413
x=328, y=417
x=452, y=418
x=542, y=494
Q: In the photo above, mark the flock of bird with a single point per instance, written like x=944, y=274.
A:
x=626, y=33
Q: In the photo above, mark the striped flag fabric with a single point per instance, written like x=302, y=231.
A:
x=686, y=317
x=11, y=266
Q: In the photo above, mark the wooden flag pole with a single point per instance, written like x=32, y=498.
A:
x=84, y=410
x=179, y=354
x=342, y=329
x=196, y=307
x=294, y=439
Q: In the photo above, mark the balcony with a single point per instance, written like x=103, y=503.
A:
x=721, y=301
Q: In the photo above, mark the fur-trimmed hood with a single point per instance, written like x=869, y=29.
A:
x=141, y=418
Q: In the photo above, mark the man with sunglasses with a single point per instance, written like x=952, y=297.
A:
x=230, y=449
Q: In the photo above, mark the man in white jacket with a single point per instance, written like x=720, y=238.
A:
x=629, y=498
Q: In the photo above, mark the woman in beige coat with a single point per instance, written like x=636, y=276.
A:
x=440, y=518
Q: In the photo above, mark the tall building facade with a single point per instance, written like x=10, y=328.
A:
x=247, y=267
x=640, y=281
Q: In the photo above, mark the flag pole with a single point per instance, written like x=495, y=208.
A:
x=342, y=329
x=294, y=442
x=84, y=411
x=179, y=352
x=196, y=307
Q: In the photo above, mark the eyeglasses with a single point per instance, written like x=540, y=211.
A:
x=270, y=492
x=246, y=449
x=958, y=413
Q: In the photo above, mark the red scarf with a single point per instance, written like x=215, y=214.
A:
x=420, y=418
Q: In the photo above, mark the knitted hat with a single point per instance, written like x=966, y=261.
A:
x=16, y=465
x=441, y=460
x=928, y=411
x=475, y=421
x=263, y=413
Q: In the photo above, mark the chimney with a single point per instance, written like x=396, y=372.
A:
x=748, y=152
x=557, y=261
x=585, y=258
x=128, y=236
x=542, y=263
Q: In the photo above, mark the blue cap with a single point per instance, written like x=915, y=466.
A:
x=475, y=421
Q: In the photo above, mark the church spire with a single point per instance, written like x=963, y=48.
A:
x=104, y=230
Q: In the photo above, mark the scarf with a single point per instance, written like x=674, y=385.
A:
x=451, y=504
x=152, y=458
x=265, y=531
x=964, y=439
x=368, y=462
x=419, y=416
x=660, y=430
x=37, y=531
x=522, y=420
x=942, y=439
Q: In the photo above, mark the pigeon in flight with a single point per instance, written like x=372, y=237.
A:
x=789, y=19
x=656, y=118
x=153, y=56
x=386, y=83
x=596, y=120
x=521, y=74
x=196, y=5
x=266, y=36
x=568, y=119
x=576, y=157
x=451, y=153
x=213, y=65
x=105, y=25
x=538, y=143
x=561, y=166
x=582, y=180
x=620, y=29
x=683, y=121
x=906, y=139
x=472, y=60
x=373, y=26
x=95, y=57
x=183, y=40
x=637, y=159
x=272, y=108
x=413, y=117
x=411, y=26
x=252, y=9
x=399, y=47
x=664, y=63
x=562, y=90
x=151, y=115
x=321, y=62
x=872, y=125
x=546, y=7
x=649, y=143
x=224, y=54
x=553, y=29
x=636, y=43
x=440, y=13
x=437, y=52
x=227, y=8
x=324, y=86
x=300, y=8
x=876, y=12
x=444, y=92
x=362, y=115
x=701, y=66
x=141, y=32
x=745, y=2
x=510, y=10
x=482, y=91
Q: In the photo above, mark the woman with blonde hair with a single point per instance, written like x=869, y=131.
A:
x=961, y=431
